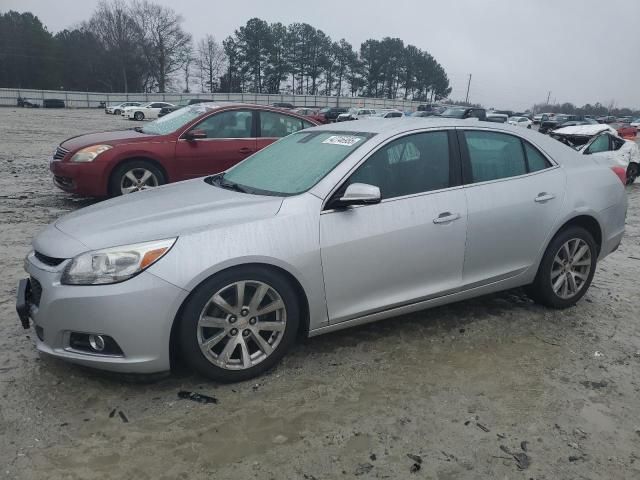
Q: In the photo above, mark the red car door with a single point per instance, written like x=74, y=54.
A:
x=275, y=125
x=223, y=139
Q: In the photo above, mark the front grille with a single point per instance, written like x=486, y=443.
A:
x=60, y=153
x=35, y=292
x=51, y=261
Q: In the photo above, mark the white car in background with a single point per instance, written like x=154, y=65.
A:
x=604, y=144
x=145, y=111
x=117, y=108
x=387, y=113
x=355, y=114
x=523, y=122
x=635, y=122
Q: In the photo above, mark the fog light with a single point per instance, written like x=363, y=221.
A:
x=96, y=342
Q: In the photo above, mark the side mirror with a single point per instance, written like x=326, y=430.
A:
x=195, y=134
x=357, y=194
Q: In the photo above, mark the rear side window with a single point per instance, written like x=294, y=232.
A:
x=276, y=125
x=535, y=159
x=493, y=156
x=600, y=144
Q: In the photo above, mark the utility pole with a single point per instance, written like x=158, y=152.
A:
x=548, y=97
x=466, y=100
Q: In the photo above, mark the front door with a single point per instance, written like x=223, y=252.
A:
x=407, y=248
x=513, y=193
x=230, y=138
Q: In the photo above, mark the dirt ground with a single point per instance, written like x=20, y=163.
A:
x=495, y=387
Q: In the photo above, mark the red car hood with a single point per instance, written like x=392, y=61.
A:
x=113, y=138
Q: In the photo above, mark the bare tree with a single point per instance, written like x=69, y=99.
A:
x=118, y=32
x=210, y=63
x=164, y=40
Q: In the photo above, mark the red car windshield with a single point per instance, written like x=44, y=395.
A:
x=175, y=120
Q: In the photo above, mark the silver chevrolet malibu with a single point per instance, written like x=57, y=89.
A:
x=328, y=228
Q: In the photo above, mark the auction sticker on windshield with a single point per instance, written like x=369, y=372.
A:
x=345, y=140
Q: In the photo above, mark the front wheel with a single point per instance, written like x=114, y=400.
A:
x=239, y=323
x=117, y=112
x=632, y=173
x=134, y=176
x=139, y=116
x=566, y=269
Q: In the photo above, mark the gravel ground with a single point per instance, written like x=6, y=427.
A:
x=495, y=387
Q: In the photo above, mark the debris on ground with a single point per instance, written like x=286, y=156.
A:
x=415, y=467
x=363, y=468
x=123, y=416
x=482, y=427
x=196, y=397
x=594, y=385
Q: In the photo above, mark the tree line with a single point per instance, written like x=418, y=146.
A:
x=597, y=109
x=141, y=46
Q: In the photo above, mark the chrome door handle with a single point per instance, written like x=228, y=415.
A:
x=446, y=217
x=246, y=150
x=544, y=197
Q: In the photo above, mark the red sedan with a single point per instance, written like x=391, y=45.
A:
x=191, y=142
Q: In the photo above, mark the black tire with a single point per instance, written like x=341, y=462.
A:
x=188, y=326
x=632, y=173
x=117, y=112
x=139, y=116
x=541, y=290
x=116, y=177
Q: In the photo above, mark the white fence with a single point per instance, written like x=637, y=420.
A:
x=9, y=98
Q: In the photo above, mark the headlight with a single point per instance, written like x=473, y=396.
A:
x=113, y=265
x=89, y=154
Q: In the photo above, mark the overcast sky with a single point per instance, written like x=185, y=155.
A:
x=517, y=50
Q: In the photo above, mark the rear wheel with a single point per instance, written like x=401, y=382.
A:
x=138, y=116
x=239, y=323
x=632, y=173
x=117, y=112
x=134, y=176
x=566, y=270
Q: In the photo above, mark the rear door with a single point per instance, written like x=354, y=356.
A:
x=275, y=125
x=230, y=138
x=513, y=194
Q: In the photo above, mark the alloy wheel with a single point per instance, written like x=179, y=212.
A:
x=570, y=269
x=137, y=179
x=241, y=325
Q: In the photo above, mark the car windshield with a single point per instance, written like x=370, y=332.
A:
x=174, y=120
x=294, y=164
x=453, y=112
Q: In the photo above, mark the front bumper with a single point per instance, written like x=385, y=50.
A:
x=138, y=314
x=81, y=178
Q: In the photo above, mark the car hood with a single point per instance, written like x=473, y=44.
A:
x=584, y=130
x=164, y=212
x=112, y=137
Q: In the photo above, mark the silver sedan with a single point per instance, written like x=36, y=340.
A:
x=328, y=228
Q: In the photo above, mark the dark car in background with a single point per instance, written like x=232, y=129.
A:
x=191, y=142
x=53, y=103
x=330, y=114
x=549, y=123
x=285, y=105
x=465, y=112
x=180, y=104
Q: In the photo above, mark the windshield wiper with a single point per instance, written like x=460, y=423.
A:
x=219, y=180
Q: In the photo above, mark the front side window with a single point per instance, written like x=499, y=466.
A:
x=600, y=144
x=230, y=124
x=295, y=163
x=413, y=164
x=494, y=155
x=276, y=125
